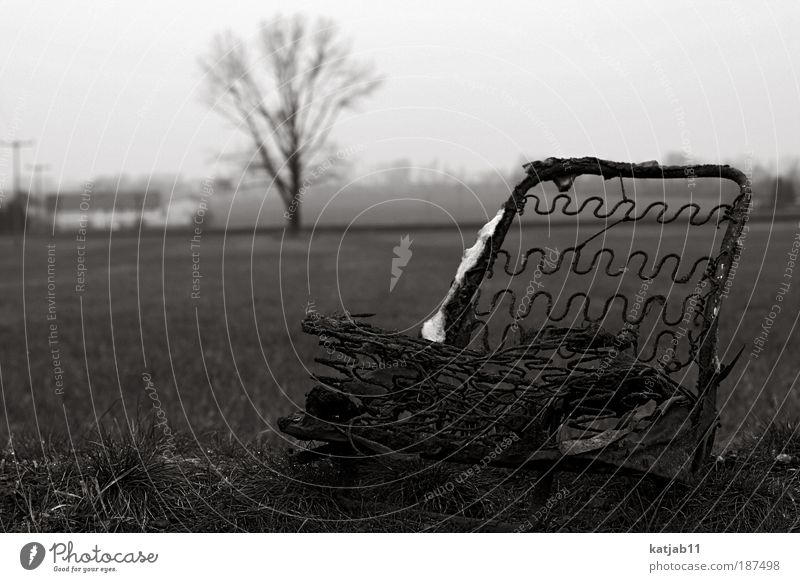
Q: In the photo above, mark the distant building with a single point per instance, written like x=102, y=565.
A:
x=177, y=212
x=109, y=211
x=114, y=211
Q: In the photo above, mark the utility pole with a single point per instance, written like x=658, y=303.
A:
x=16, y=145
x=13, y=216
x=38, y=170
x=37, y=201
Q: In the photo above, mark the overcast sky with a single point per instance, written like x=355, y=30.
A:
x=108, y=87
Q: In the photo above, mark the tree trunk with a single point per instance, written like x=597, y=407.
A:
x=296, y=181
x=293, y=218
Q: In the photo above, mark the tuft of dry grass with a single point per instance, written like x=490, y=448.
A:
x=111, y=483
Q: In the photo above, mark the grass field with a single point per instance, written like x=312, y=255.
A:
x=226, y=363
x=234, y=359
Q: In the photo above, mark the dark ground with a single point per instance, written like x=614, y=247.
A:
x=226, y=365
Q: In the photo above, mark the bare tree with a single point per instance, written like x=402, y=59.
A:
x=287, y=95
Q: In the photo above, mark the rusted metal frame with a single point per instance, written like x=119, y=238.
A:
x=459, y=309
x=718, y=274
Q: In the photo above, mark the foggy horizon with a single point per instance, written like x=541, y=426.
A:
x=116, y=89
